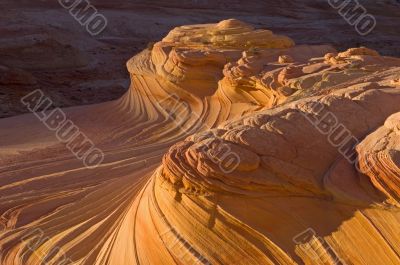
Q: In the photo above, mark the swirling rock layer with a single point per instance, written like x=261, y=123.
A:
x=232, y=146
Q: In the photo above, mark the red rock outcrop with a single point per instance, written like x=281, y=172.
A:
x=232, y=146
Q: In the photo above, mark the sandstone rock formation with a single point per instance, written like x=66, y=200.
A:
x=75, y=68
x=233, y=145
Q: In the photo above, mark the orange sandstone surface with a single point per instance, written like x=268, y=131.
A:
x=314, y=176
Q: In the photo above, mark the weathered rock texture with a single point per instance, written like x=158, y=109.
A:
x=312, y=178
x=76, y=68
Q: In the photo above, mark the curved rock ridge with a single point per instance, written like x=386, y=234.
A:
x=273, y=147
x=233, y=145
x=294, y=192
x=255, y=75
x=381, y=158
x=193, y=56
x=300, y=186
x=377, y=177
x=229, y=33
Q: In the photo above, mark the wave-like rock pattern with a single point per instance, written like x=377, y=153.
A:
x=168, y=193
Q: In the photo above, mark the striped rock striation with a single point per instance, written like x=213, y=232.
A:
x=233, y=145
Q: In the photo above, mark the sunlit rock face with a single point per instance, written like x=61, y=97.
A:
x=193, y=56
x=232, y=146
x=308, y=153
x=380, y=160
x=229, y=33
x=273, y=147
x=277, y=169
